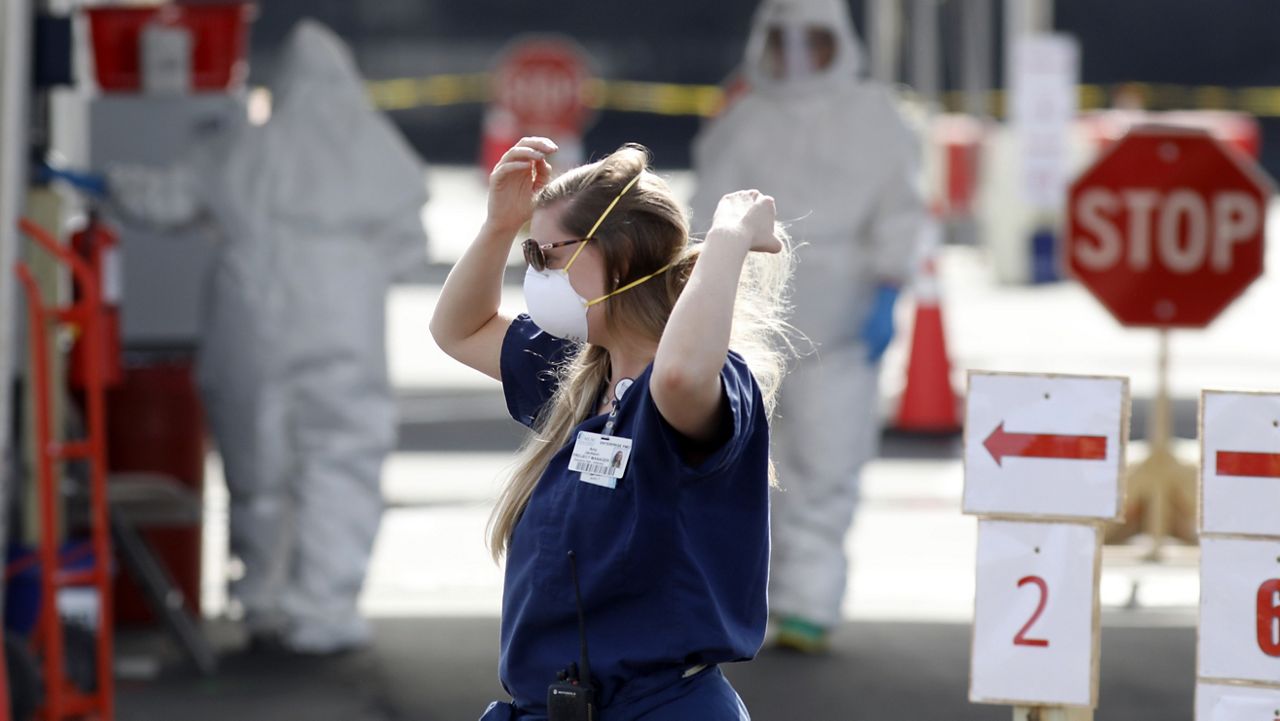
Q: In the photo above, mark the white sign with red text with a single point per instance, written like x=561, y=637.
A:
x=1240, y=610
x=1035, y=626
x=1167, y=228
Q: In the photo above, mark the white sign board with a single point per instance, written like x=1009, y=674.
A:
x=1218, y=702
x=1043, y=105
x=1240, y=610
x=1240, y=476
x=1035, y=625
x=1049, y=446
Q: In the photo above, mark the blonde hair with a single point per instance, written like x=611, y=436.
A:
x=645, y=231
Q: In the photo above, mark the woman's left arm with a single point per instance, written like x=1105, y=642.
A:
x=685, y=382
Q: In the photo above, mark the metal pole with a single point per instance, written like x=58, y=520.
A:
x=883, y=35
x=1044, y=15
x=924, y=50
x=1161, y=442
x=1161, y=423
x=978, y=61
x=1027, y=16
x=15, y=77
x=1023, y=17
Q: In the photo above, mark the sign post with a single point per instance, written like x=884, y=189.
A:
x=15, y=69
x=1239, y=649
x=1043, y=460
x=1166, y=230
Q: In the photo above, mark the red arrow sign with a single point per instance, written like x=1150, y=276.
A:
x=1041, y=445
x=1240, y=463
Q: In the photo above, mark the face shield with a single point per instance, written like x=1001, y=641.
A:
x=794, y=52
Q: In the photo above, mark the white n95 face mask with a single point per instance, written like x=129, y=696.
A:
x=554, y=305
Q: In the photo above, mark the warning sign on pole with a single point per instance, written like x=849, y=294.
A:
x=1035, y=625
x=1043, y=456
x=1240, y=442
x=1240, y=610
x=542, y=82
x=1166, y=229
x=1239, y=638
x=1045, y=446
x=540, y=87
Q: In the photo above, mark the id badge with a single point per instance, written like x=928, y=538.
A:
x=601, y=460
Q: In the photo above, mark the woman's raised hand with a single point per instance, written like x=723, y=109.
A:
x=748, y=215
x=521, y=173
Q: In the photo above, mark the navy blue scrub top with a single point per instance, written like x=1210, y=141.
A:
x=673, y=562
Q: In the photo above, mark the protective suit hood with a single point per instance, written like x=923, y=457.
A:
x=796, y=16
x=326, y=158
x=312, y=54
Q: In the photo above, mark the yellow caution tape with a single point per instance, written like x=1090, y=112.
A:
x=406, y=93
x=677, y=99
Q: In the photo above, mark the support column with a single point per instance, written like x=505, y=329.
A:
x=882, y=33
x=977, y=65
x=15, y=88
x=925, y=66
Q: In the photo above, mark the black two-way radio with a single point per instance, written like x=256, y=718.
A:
x=573, y=696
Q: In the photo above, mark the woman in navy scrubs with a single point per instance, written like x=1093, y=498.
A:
x=646, y=369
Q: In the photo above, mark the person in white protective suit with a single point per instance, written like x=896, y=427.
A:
x=317, y=209
x=833, y=150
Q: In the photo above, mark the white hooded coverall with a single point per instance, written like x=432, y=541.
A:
x=317, y=209
x=842, y=165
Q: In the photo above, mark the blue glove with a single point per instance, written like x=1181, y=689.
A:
x=877, y=330
x=92, y=184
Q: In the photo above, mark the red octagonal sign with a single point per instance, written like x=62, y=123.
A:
x=542, y=81
x=1166, y=229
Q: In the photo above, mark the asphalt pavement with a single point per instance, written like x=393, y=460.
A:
x=444, y=669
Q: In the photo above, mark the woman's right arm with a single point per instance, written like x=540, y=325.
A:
x=466, y=323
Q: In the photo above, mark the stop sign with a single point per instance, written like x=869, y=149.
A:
x=542, y=82
x=1166, y=228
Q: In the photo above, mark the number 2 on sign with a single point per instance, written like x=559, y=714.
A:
x=1021, y=639
x=1268, y=615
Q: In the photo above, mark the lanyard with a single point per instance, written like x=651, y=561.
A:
x=619, y=390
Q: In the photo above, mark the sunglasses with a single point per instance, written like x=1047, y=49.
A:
x=535, y=253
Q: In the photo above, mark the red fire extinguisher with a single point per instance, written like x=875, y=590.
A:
x=99, y=245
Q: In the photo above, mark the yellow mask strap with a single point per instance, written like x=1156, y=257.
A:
x=591, y=234
x=630, y=285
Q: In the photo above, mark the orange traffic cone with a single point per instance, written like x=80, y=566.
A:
x=929, y=404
